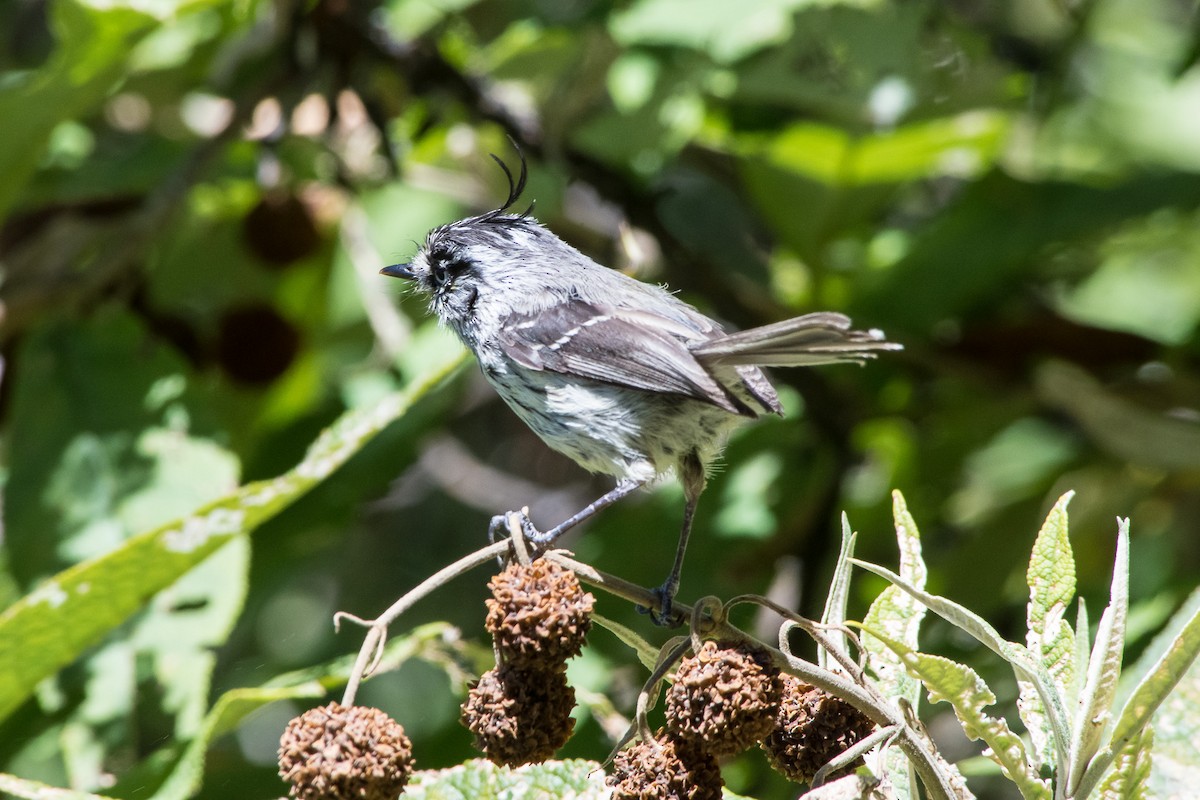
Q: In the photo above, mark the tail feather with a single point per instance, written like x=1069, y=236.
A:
x=820, y=338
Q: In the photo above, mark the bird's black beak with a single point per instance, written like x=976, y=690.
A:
x=398, y=271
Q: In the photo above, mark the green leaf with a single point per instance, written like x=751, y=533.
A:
x=966, y=692
x=1051, y=579
x=834, y=614
x=1094, y=709
x=52, y=625
x=645, y=652
x=899, y=616
x=962, y=145
x=1180, y=719
x=1131, y=771
x=483, y=780
x=1024, y=665
x=1176, y=723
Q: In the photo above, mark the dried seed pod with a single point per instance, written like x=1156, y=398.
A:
x=520, y=716
x=336, y=752
x=538, y=614
x=811, y=728
x=724, y=698
x=666, y=769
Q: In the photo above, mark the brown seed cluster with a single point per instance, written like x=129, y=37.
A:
x=335, y=752
x=724, y=698
x=538, y=614
x=812, y=727
x=520, y=716
x=665, y=769
x=520, y=712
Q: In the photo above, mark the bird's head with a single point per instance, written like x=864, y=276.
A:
x=461, y=264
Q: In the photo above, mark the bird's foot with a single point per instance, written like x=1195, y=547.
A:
x=498, y=529
x=663, y=614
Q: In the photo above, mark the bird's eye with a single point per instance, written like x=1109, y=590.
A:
x=443, y=271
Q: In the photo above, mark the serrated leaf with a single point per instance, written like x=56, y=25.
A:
x=51, y=626
x=1025, y=667
x=1094, y=711
x=961, y=687
x=1130, y=772
x=1051, y=580
x=834, y=614
x=898, y=615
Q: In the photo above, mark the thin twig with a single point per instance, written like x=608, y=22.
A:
x=618, y=587
x=377, y=628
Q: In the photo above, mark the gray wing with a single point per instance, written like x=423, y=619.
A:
x=633, y=349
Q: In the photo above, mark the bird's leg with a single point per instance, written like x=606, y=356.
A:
x=691, y=474
x=499, y=523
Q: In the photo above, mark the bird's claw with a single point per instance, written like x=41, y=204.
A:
x=498, y=528
x=663, y=615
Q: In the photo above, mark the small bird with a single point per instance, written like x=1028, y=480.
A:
x=621, y=376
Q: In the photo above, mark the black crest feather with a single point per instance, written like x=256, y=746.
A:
x=515, y=186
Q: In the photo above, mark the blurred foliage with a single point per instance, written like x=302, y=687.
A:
x=198, y=195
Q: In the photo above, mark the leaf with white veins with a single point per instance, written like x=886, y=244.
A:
x=966, y=692
x=1051, y=580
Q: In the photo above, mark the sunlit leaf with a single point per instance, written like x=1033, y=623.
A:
x=1170, y=693
x=1051, y=580
x=1024, y=665
x=1131, y=771
x=966, y=692
x=725, y=31
x=962, y=145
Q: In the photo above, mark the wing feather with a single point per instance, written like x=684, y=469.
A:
x=633, y=349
